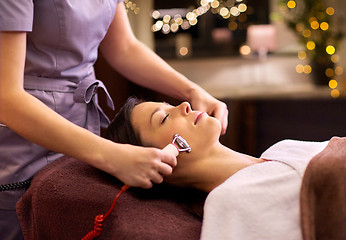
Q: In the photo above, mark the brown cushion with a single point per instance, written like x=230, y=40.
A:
x=65, y=197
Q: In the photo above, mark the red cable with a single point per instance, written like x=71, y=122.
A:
x=100, y=218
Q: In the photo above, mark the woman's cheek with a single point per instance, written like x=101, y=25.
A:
x=164, y=138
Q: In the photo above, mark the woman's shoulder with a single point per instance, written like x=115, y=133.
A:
x=296, y=154
x=294, y=149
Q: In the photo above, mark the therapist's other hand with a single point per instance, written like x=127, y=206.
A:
x=143, y=166
x=203, y=101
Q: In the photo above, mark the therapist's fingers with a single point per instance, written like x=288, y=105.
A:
x=224, y=121
x=221, y=113
x=169, y=159
x=203, y=101
x=158, y=174
x=157, y=178
x=143, y=166
x=165, y=169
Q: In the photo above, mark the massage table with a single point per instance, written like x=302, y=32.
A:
x=65, y=197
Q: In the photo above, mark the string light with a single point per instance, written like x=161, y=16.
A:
x=300, y=68
x=245, y=50
x=310, y=45
x=330, y=11
x=329, y=72
x=183, y=51
x=324, y=26
x=306, y=33
x=291, y=4
x=301, y=55
x=333, y=84
x=330, y=49
x=314, y=25
x=339, y=71
x=307, y=69
x=335, y=58
x=335, y=93
x=131, y=6
x=228, y=9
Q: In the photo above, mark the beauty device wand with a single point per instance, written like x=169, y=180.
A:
x=178, y=145
x=183, y=146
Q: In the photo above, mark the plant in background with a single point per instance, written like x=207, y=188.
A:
x=319, y=30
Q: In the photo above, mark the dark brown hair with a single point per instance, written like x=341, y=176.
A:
x=120, y=129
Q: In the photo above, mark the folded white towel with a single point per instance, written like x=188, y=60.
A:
x=261, y=201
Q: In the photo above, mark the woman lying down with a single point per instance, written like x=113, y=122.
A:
x=249, y=198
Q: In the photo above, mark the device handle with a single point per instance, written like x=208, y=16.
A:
x=171, y=148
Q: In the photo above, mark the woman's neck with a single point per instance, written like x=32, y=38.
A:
x=208, y=169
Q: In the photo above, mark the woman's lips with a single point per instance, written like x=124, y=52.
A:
x=199, y=116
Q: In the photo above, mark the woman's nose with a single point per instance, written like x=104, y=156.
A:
x=185, y=108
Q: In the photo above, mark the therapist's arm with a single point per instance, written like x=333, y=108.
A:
x=141, y=65
x=30, y=118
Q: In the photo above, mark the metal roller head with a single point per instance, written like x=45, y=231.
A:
x=183, y=146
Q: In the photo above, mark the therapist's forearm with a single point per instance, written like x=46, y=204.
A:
x=142, y=66
x=34, y=121
x=138, y=63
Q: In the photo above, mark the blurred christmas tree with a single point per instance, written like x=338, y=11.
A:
x=319, y=30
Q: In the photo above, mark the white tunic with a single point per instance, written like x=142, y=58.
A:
x=261, y=201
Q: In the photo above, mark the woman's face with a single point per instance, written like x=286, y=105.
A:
x=155, y=123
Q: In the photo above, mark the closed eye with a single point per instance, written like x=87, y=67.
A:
x=163, y=120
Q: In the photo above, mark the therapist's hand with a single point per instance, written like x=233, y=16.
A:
x=203, y=101
x=142, y=166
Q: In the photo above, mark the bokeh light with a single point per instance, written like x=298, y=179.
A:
x=310, y=45
x=245, y=50
x=330, y=11
x=335, y=93
x=301, y=55
x=330, y=49
x=242, y=7
x=335, y=58
x=234, y=10
x=324, y=26
x=183, y=51
x=299, y=68
x=314, y=25
x=333, y=84
x=291, y=4
x=306, y=33
x=232, y=26
x=307, y=69
x=339, y=71
x=329, y=72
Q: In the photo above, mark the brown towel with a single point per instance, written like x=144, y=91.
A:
x=65, y=197
x=323, y=194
